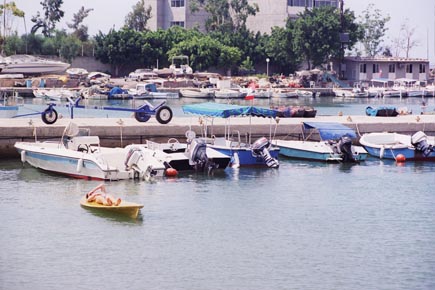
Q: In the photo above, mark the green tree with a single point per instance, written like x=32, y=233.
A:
x=374, y=25
x=204, y=52
x=240, y=11
x=14, y=45
x=279, y=47
x=138, y=18
x=80, y=30
x=70, y=47
x=119, y=48
x=52, y=14
x=34, y=43
x=225, y=15
x=7, y=10
x=316, y=34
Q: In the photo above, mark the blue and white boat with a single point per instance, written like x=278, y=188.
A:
x=390, y=145
x=8, y=111
x=242, y=152
x=9, y=105
x=335, y=144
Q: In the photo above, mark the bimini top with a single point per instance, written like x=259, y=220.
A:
x=224, y=111
x=330, y=131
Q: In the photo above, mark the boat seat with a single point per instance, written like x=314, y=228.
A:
x=86, y=141
x=221, y=141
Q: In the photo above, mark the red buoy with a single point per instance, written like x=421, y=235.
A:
x=171, y=172
x=400, y=158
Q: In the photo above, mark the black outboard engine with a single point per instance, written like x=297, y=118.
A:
x=419, y=141
x=345, y=148
x=260, y=148
x=198, y=156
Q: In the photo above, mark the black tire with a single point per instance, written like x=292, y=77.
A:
x=142, y=116
x=49, y=116
x=164, y=115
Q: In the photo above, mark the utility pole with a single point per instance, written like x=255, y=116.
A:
x=341, y=40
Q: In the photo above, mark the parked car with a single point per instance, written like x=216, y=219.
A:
x=142, y=74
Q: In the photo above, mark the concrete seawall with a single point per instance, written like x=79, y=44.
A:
x=116, y=132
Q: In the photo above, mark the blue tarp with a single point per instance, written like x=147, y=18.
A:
x=225, y=111
x=330, y=131
x=383, y=111
x=116, y=91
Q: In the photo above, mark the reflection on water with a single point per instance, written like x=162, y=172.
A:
x=114, y=216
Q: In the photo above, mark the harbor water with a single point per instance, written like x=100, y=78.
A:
x=324, y=105
x=306, y=225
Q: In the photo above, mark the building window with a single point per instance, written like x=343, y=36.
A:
x=392, y=68
x=422, y=68
x=320, y=3
x=300, y=3
x=409, y=68
x=177, y=3
x=362, y=68
x=177, y=23
x=375, y=68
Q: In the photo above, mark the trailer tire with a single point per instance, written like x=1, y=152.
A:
x=49, y=116
x=164, y=115
x=142, y=116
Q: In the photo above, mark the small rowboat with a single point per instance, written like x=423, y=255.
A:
x=130, y=209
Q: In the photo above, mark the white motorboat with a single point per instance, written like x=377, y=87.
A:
x=284, y=93
x=197, y=93
x=81, y=156
x=28, y=64
x=304, y=93
x=390, y=145
x=335, y=144
x=55, y=94
x=149, y=91
x=229, y=94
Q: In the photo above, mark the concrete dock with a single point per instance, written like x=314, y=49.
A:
x=119, y=132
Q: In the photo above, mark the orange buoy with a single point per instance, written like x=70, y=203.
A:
x=400, y=158
x=171, y=172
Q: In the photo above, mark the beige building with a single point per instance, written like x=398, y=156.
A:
x=167, y=13
x=365, y=69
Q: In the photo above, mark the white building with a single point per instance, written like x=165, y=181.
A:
x=364, y=69
x=167, y=13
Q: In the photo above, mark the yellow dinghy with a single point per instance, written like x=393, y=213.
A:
x=130, y=209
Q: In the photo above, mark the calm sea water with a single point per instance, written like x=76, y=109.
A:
x=306, y=225
x=323, y=105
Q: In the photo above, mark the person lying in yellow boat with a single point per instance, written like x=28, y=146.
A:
x=99, y=195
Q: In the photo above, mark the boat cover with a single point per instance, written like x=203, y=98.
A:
x=224, y=110
x=330, y=131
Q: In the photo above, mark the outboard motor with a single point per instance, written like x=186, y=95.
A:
x=260, y=148
x=345, y=148
x=419, y=141
x=198, y=156
x=133, y=161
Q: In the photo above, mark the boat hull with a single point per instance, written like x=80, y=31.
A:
x=244, y=156
x=8, y=111
x=318, y=151
x=392, y=153
x=129, y=209
x=75, y=164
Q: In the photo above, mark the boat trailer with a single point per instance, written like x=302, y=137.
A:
x=143, y=113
